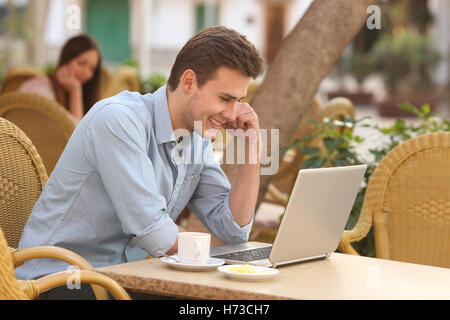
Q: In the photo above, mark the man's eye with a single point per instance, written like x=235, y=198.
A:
x=225, y=99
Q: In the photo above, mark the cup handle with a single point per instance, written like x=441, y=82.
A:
x=198, y=247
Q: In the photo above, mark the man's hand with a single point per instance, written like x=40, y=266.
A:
x=246, y=118
x=246, y=126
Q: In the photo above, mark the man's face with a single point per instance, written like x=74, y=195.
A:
x=215, y=103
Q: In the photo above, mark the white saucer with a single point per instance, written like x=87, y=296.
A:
x=262, y=273
x=212, y=263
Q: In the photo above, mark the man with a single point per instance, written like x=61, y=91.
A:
x=121, y=181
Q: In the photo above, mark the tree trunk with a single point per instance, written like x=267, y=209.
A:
x=307, y=55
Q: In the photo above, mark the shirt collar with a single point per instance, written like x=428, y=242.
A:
x=163, y=124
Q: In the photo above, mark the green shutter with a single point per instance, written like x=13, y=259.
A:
x=200, y=16
x=108, y=21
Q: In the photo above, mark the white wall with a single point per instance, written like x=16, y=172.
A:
x=440, y=10
x=172, y=24
x=246, y=17
x=295, y=11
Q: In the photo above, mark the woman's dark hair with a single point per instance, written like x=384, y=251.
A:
x=72, y=49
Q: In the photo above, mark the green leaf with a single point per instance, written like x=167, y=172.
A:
x=284, y=149
x=307, y=137
x=345, y=154
x=348, y=133
x=409, y=107
x=341, y=162
x=296, y=143
x=332, y=143
x=349, y=119
x=425, y=109
x=314, y=162
x=313, y=122
x=311, y=151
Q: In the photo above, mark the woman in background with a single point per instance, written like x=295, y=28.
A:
x=75, y=83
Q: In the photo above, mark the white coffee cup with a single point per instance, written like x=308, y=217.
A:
x=193, y=247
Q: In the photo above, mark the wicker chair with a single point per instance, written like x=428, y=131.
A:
x=105, y=77
x=16, y=76
x=408, y=202
x=283, y=182
x=13, y=289
x=22, y=177
x=45, y=122
x=125, y=78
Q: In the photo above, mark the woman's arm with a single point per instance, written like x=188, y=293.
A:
x=68, y=80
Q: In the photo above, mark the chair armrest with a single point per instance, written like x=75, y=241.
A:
x=34, y=288
x=358, y=232
x=20, y=256
x=280, y=197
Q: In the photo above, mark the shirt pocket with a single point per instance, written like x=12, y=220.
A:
x=192, y=175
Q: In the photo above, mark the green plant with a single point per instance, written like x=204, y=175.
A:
x=357, y=64
x=153, y=82
x=130, y=63
x=340, y=148
x=405, y=58
x=48, y=68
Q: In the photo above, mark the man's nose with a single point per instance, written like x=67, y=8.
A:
x=230, y=112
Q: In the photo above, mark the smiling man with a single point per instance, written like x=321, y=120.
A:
x=123, y=178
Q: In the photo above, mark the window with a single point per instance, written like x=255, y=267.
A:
x=206, y=14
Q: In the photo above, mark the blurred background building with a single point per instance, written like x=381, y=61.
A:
x=150, y=32
x=147, y=34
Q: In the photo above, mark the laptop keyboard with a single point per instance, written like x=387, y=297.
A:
x=247, y=255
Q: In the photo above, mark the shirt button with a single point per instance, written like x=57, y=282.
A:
x=177, y=187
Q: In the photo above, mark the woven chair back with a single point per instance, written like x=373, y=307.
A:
x=125, y=78
x=22, y=177
x=48, y=124
x=16, y=76
x=409, y=193
x=9, y=286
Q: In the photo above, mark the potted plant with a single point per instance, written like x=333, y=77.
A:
x=340, y=148
x=405, y=60
x=153, y=83
x=359, y=66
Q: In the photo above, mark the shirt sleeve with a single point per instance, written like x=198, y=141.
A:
x=210, y=202
x=117, y=145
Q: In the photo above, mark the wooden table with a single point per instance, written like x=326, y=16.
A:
x=341, y=276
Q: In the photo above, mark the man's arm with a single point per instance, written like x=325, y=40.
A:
x=117, y=148
x=244, y=191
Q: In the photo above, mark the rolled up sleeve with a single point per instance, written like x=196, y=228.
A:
x=117, y=148
x=210, y=202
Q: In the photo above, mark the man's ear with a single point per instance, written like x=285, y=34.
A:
x=188, y=81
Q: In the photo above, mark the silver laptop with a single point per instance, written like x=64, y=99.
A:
x=313, y=222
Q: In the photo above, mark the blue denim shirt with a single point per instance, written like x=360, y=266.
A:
x=120, y=184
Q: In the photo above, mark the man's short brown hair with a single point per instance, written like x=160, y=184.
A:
x=215, y=47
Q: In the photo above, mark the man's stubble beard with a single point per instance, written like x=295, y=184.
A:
x=188, y=113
